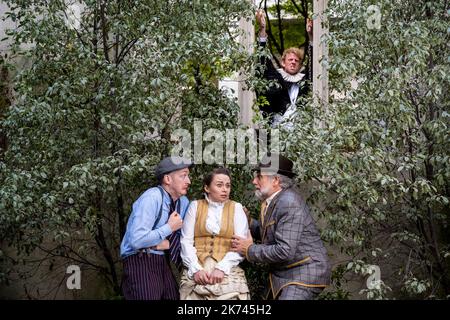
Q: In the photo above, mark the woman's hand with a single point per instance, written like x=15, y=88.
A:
x=216, y=276
x=201, y=277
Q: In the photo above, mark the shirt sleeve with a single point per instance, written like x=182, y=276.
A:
x=232, y=259
x=188, y=251
x=145, y=212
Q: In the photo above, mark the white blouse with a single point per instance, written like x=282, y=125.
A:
x=213, y=222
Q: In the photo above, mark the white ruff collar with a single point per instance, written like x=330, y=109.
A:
x=291, y=77
x=213, y=203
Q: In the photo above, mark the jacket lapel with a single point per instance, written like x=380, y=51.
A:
x=269, y=212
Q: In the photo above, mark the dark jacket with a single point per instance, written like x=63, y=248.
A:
x=290, y=244
x=278, y=97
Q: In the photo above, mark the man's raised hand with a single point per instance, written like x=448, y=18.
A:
x=309, y=29
x=261, y=19
x=175, y=222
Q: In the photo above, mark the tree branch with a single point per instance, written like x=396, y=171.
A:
x=104, y=26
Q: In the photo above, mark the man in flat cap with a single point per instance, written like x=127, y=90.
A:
x=150, y=248
x=290, y=243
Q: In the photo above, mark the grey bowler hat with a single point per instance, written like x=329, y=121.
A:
x=169, y=164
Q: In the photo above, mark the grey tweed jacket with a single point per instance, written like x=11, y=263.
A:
x=290, y=244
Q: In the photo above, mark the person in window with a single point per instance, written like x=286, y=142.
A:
x=293, y=80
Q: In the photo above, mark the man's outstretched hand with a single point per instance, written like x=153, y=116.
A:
x=240, y=244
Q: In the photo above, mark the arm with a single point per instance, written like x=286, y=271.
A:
x=261, y=18
x=188, y=251
x=288, y=232
x=255, y=227
x=270, y=72
x=144, y=214
x=232, y=259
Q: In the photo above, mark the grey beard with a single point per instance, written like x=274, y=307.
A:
x=260, y=195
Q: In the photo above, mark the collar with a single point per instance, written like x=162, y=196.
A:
x=291, y=78
x=168, y=196
x=213, y=203
x=269, y=199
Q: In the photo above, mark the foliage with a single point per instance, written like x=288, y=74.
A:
x=378, y=153
x=95, y=110
x=4, y=101
x=287, y=28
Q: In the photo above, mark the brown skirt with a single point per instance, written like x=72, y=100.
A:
x=233, y=286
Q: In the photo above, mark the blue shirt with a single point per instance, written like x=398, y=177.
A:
x=139, y=233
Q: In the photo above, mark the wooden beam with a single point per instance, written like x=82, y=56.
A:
x=320, y=55
x=246, y=98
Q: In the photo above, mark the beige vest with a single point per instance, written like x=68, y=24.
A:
x=207, y=244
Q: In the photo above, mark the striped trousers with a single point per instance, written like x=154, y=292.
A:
x=148, y=276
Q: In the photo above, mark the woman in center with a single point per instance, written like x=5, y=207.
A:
x=212, y=270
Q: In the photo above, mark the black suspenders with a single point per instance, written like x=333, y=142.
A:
x=178, y=206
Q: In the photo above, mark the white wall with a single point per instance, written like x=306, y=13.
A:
x=3, y=26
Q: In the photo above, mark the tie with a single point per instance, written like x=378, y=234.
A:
x=263, y=211
x=174, y=239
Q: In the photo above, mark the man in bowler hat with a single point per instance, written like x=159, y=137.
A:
x=150, y=248
x=290, y=243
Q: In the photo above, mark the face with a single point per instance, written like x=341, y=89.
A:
x=265, y=185
x=178, y=182
x=219, y=188
x=291, y=63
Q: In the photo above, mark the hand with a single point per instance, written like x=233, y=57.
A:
x=309, y=28
x=261, y=19
x=216, y=276
x=240, y=245
x=201, y=277
x=163, y=245
x=175, y=222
